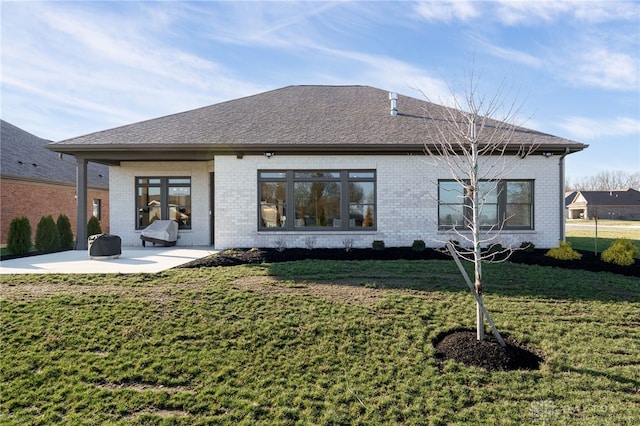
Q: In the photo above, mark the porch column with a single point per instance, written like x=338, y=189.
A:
x=81, y=195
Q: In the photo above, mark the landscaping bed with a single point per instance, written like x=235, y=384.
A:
x=589, y=262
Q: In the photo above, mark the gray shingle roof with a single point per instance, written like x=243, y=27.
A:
x=294, y=117
x=628, y=197
x=24, y=156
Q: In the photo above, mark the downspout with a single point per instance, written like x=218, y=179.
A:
x=562, y=206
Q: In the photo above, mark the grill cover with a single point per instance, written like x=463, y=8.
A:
x=104, y=245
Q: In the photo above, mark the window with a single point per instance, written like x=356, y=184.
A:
x=506, y=203
x=97, y=208
x=163, y=198
x=316, y=200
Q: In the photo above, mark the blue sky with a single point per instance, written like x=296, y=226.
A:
x=71, y=68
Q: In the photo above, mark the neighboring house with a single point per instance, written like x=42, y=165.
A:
x=568, y=198
x=327, y=166
x=619, y=204
x=36, y=182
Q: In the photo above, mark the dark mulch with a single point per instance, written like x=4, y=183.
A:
x=30, y=254
x=589, y=261
x=464, y=347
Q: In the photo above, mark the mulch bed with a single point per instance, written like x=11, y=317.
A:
x=589, y=261
x=462, y=346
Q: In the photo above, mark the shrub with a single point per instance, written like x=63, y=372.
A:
x=47, y=237
x=495, y=248
x=310, y=243
x=280, y=244
x=347, y=243
x=564, y=252
x=622, y=252
x=64, y=231
x=93, y=227
x=418, y=245
x=19, y=236
x=527, y=247
x=456, y=245
x=377, y=245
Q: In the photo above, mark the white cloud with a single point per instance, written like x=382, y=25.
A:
x=528, y=12
x=513, y=55
x=389, y=73
x=520, y=12
x=590, y=128
x=604, y=68
x=268, y=24
x=85, y=61
x=447, y=11
x=511, y=12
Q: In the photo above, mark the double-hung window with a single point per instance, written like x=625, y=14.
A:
x=163, y=198
x=316, y=200
x=505, y=204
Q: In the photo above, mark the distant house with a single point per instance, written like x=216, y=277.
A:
x=568, y=198
x=619, y=204
x=327, y=166
x=36, y=182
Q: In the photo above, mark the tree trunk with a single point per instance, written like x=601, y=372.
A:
x=475, y=228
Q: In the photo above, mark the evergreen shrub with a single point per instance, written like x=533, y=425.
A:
x=564, y=252
x=93, y=227
x=64, y=230
x=527, y=247
x=47, y=236
x=19, y=236
x=622, y=252
x=377, y=245
x=418, y=245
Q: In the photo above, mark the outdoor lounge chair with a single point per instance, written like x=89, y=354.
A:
x=162, y=232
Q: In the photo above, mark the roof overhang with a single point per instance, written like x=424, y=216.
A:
x=115, y=154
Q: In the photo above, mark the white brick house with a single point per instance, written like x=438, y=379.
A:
x=302, y=165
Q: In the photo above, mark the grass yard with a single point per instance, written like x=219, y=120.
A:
x=584, y=239
x=314, y=342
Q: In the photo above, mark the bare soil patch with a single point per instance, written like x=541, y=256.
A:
x=158, y=412
x=141, y=387
x=157, y=292
x=337, y=292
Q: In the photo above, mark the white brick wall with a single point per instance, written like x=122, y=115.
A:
x=406, y=196
x=122, y=199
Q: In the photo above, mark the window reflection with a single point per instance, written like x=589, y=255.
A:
x=163, y=199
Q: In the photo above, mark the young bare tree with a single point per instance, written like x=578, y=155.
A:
x=474, y=140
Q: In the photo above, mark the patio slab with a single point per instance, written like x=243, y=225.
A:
x=132, y=260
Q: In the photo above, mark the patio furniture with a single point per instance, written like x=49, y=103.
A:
x=104, y=246
x=162, y=232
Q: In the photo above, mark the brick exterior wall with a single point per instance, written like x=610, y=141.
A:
x=406, y=200
x=37, y=199
x=122, y=181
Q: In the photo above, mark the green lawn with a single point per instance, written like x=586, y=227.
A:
x=585, y=239
x=314, y=342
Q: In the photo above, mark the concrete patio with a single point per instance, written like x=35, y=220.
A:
x=132, y=260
